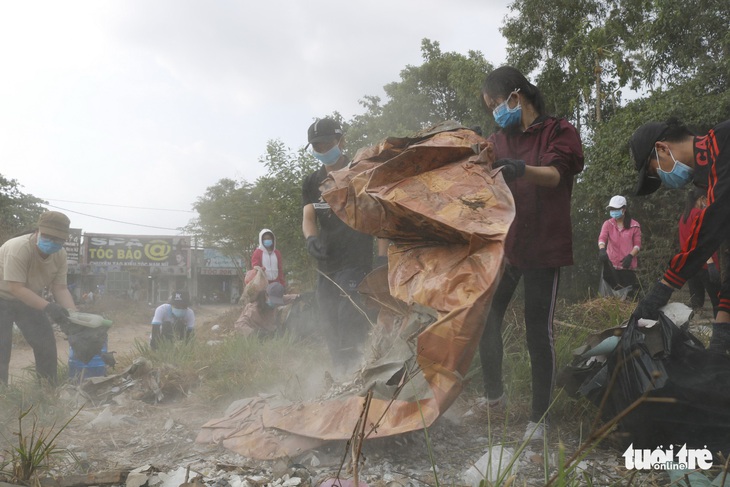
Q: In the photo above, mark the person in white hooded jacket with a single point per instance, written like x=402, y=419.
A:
x=269, y=258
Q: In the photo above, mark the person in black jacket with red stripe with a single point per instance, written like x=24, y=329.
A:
x=669, y=153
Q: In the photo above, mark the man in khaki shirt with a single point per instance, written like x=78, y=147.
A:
x=28, y=264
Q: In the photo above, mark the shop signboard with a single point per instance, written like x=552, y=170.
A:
x=136, y=250
x=73, y=247
x=214, y=259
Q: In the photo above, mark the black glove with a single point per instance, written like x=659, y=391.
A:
x=156, y=337
x=626, y=261
x=57, y=313
x=381, y=260
x=713, y=273
x=512, y=168
x=602, y=255
x=655, y=299
x=316, y=248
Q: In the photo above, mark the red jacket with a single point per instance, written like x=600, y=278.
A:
x=541, y=234
x=685, y=233
x=711, y=227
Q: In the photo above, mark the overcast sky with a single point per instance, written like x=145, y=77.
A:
x=111, y=106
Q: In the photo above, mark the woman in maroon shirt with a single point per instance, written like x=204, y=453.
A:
x=540, y=155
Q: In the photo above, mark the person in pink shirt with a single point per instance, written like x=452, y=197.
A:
x=618, y=244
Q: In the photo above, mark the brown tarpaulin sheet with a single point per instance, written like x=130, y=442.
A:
x=436, y=197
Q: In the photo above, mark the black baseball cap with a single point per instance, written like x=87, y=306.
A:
x=641, y=146
x=180, y=299
x=322, y=130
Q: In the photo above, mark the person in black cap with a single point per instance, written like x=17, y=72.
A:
x=669, y=153
x=28, y=264
x=174, y=320
x=344, y=255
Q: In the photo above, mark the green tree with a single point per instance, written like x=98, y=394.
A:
x=445, y=87
x=578, y=51
x=584, y=53
x=18, y=211
x=227, y=217
x=680, y=41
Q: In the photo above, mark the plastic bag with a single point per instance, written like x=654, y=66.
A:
x=664, y=361
x=257, y=284
x=606, y=290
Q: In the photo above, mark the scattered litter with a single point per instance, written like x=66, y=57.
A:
x=494, y=464
x=106, y=420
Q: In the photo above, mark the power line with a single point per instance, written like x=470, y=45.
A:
x=110, y=220
x=117, y=206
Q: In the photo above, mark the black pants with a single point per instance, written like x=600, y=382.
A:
x=698, y=285
x=345, y=327
x=541, y=288
x=38, y=332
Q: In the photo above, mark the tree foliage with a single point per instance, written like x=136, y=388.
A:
x=445, y=87
x=18, y=211
x=585, y=53
x=578, y=50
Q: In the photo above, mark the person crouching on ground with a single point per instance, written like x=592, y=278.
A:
x=173, y=321
x=262, y=316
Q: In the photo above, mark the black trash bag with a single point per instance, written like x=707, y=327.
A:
x=666, y=361
x=87, y=342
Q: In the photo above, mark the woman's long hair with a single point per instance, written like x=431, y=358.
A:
x=506, y=79
x=627, y=218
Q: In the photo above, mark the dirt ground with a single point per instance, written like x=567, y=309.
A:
x=127, y=433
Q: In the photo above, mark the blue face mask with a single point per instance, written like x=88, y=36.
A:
x=615, y=214
x=678, y=177
x=330, y=157
x=179, y=313
x=506, y=116
x=268, y=243
x=48, y=246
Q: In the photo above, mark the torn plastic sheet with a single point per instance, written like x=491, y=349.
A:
x=447, y=212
